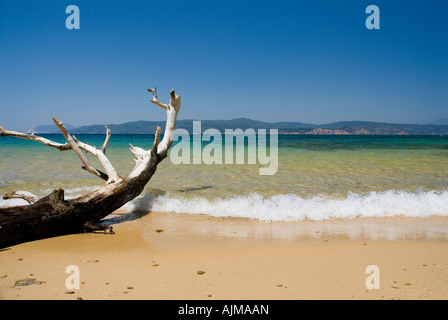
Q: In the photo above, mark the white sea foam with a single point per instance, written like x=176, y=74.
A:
x=291, y=207
x=12, y=202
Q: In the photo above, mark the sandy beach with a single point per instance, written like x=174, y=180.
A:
x=184, y=256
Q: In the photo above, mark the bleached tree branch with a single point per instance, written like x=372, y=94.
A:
x=156, y=142
x=106, y=141
x=172, y=110
x=155, y=100
x=159, y=148
x=53, y=214
x=76, y=149
x=47, y=142
x=25, y=195
x=107, y=165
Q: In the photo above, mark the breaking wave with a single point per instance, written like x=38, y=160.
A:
x=291, y=207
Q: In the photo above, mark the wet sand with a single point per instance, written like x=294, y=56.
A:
x=184, y=256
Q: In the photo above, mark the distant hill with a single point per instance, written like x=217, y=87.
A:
x=149, y=127
x=341, y=127
x=440, y=121
x=48, y=128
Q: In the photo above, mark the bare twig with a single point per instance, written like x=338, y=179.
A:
x=106, y=142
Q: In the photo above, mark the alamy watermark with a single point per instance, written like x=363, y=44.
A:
x=72, y=281
x=190, y=151
x=73, y=20
x=373, y=280
x=373, y=20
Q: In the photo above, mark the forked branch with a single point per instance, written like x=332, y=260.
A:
x=74, y=145
x=155, y=100
x=172, y=110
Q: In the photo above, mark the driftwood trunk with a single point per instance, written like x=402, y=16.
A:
x=53, y=215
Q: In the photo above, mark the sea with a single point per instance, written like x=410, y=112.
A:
x=318, y=177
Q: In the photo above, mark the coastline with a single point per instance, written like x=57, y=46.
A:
x=193, y=256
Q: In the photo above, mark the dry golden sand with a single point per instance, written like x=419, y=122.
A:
x=181, y=256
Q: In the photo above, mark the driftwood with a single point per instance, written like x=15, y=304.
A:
x=54, y=215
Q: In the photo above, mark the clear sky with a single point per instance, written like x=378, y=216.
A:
x=308, y=61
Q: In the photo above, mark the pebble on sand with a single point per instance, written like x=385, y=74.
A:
x=27, y=282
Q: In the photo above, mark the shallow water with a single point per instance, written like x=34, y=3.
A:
x=318, y=177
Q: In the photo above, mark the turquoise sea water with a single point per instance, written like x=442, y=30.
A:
x=318, y=177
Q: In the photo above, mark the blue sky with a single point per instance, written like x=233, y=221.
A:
x=307, y=61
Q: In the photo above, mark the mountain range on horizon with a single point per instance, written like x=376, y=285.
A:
x=438, y=127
